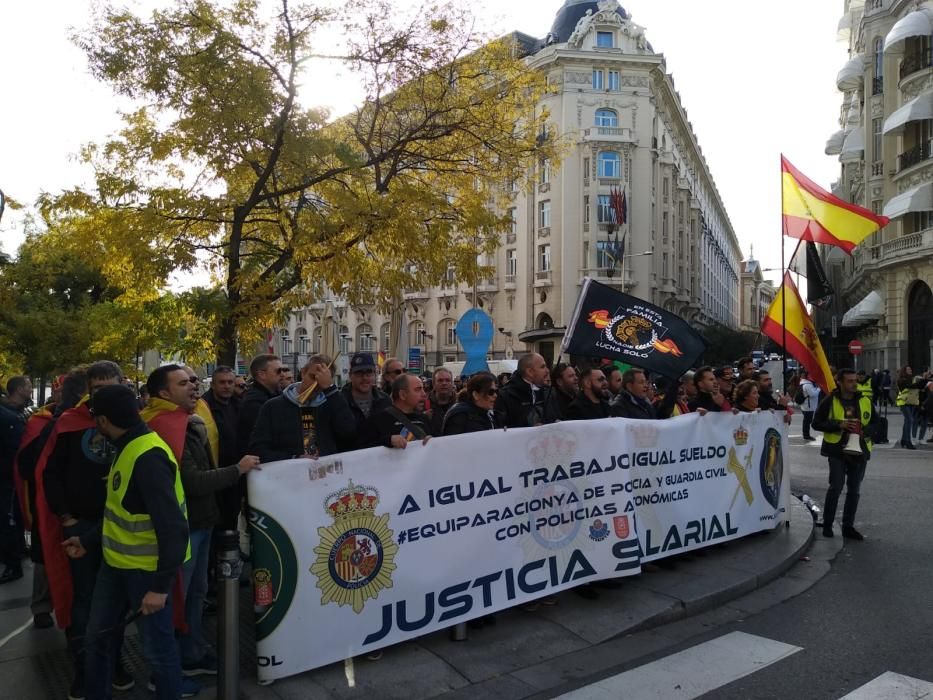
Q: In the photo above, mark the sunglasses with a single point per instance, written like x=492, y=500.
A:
x=396, y=371
x=492, y=392
x=282, y=370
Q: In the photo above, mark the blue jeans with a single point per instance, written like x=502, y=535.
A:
x=116, y=591
x=908, y=413
x=193, y=645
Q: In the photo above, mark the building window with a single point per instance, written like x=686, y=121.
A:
x=586, y=168
x=448, y=332
x=586, y=209
x=365, y=340
x=286, y=342
x=544, y=258
x=604, y=213
x=604, y=40
x=613, y=82
x=513, y=225
x=877, y=85
x=544, y=213
x=304, y=342
x=544, y=171
x=604, y=256
x=598, y=82
x=416, y=334
x=511, y=262
x=343, y=342
x=876, y=126
x=384, y=334
x=607, y=117
x=316, y=340
x=610, y=164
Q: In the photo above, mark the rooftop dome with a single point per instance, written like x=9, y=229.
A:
x=570, y=14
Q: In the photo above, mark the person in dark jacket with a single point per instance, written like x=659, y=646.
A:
x=593, y=400
x=632, y=401
x=12, y=425
x=316, y=427
x=843, y=414
x=224, y=405
x=442, y=397
x=362, y=396
x=475, y=411
x=565, y=386
x=526, y=400
x=708, y=397
x=401, y=422
x=265, y=371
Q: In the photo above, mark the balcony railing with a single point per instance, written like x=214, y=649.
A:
x=877, y=169
x=544, y=231
x=510, y=279
x=916, y=62
x=877, y=86
x=919, y=153
x=543, y=276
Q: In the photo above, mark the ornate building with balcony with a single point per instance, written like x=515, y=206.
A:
x=885, y=147
x=611, y=95
x=757, y=295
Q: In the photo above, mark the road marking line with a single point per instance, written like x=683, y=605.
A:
x=892, y=686
x=15, y=632
x=692, y=672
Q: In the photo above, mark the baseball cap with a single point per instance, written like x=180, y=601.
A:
x=361, y=361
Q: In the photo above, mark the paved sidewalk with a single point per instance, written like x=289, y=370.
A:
x=525, y=653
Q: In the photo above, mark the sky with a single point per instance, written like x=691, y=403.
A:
x=757, y=80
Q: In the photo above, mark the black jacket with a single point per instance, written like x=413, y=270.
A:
x=76, y=473
x=625, y=405
x=201, y=478
x=252, y=402
x=437, y=413
x=825, y=424
x=12, y=425
x=382, y=425
x=279, y=433
x=563, y=401
x=226, y=416
x=581, y=408
x=704, y=400
x=380, y=401
x=515, y=404
x=467, y=417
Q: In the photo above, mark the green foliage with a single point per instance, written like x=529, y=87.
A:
x=221, y=167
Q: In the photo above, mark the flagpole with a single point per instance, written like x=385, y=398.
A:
x=783, y=292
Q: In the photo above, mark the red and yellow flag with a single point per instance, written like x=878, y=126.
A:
x=813, y=214
x=803, y=343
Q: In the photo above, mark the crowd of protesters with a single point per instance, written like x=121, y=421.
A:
x=123, y=487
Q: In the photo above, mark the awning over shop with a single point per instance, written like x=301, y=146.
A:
x=869, y=309
x=854, y=145
x=918, y=199
x=834, y=145
x=917, y=23
x=852, y=75
x=918, y=109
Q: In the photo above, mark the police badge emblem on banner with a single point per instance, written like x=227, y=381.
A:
x=607, y=323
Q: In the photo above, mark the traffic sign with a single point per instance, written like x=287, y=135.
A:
x=856, y=347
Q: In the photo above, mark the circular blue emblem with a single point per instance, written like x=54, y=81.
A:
x=772, y=467
x=356, y=558
x=561, y=529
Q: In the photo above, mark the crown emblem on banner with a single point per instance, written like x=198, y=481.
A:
x=551, y=445
x=352, y=500
x=741, y=436
x=643, y=434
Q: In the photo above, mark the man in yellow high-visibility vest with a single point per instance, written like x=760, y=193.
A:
x=847, y=420
x=144, y=539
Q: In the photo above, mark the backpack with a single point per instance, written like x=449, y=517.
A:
x=800, y=397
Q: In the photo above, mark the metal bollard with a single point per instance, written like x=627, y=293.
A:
x=458, y=633
x=229, y=567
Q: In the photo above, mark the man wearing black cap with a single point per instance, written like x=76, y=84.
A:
x=361, y=393
x=144, y=540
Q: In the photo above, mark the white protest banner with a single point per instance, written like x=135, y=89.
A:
x=365, y=549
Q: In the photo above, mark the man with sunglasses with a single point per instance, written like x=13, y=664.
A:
x=391, y=370
x=361, y=394
x=265, y=371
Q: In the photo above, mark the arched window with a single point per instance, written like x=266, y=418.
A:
x=879, y=58
x=607, y=117
x=544, y=321
x=416, y=334
x=316, y=340
x=285, y=342
x=447, y=332
x=304, y=342
x=343, y=341
x=365, y=340
x=610, y=164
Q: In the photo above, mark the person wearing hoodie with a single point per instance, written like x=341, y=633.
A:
x=265, y=371
x=317, y=427
x=526, y=400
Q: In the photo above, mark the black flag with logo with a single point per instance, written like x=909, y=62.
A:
x=607, y=323
x=819, y=291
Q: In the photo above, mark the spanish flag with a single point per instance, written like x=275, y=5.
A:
x=803, y=343
x=813, y=214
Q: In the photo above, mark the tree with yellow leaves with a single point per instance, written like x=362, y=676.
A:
x=221, y=165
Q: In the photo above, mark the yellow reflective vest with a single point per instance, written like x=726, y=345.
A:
x=837, y=413
x=129, y=539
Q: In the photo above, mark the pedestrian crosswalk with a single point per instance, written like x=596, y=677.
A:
x=705, y=667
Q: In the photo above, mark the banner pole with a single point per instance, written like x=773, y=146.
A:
x=783, y=289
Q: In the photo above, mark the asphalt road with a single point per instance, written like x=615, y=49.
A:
x=871, y=615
